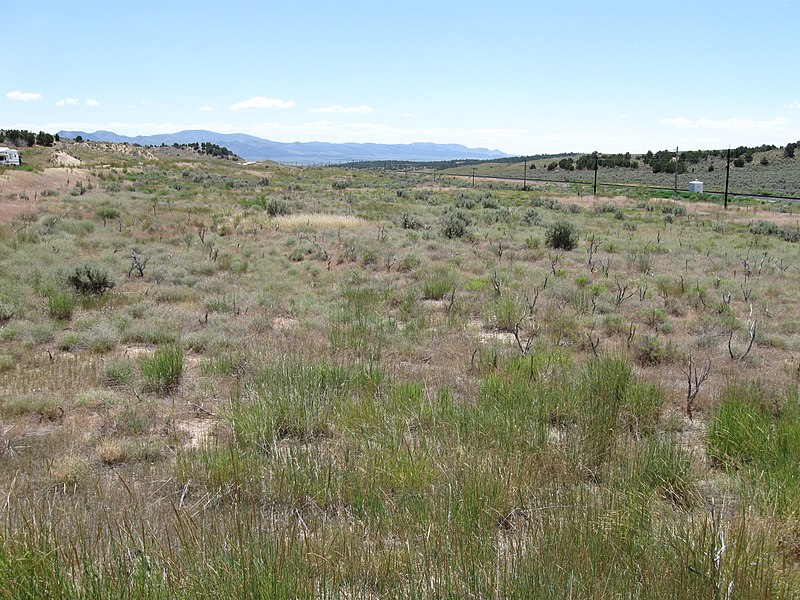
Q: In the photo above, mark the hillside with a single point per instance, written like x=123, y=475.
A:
x=235, y=380
x=765, y=171
x=254, y=148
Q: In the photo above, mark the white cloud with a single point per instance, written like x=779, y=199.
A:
x=261, y=102
x=339, y=109
x=92, y=102
x=620, y=117
x=732, y=124
x=23, y=96
x=205, y=108
x=67, y=102
x=795, y=104
x=406, y=114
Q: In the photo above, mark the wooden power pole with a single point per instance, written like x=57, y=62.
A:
x=677, y=158
x=525, y=176
x=727, y=177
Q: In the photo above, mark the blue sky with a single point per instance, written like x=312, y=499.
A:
x=522, y=77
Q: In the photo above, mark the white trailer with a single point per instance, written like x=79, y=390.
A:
x=9, y=157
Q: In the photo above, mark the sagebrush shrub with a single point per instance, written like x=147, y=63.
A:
x=531, y=217
x=410, y=221
x=455, y=223
x=562, y=235
x=90, y=280
x=6, y=312
x=277, y=208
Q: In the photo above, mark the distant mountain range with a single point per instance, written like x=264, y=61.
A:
x=253, y=148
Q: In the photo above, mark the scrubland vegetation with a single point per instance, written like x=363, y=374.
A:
x=264, y=381
x=761, y=170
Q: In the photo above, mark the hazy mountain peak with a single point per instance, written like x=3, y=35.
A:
x=253, y=148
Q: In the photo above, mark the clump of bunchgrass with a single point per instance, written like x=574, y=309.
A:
x=291, y=399
x=663, y=467
x=113, y=451
x=45, y=406
x=506, y=312
x=97, y=398
x=437, y=284
x=118, y=372
x=69, y=472
x=756, y=435
x=650, y=350
x=60, y=305
x=134, y=419
x=163, y=370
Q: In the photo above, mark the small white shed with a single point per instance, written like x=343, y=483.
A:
x=696, y=187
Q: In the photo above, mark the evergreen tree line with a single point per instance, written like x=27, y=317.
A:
x=209, y=149
x=663, y=161
x=608, y=161
x=23, y=137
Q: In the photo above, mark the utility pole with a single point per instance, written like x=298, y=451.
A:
x=676, y=169
x=594, y=193
x=473, y=176
x=727, y=177
x=525, y=175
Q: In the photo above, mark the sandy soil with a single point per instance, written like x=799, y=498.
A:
x=20, y=191
x=62, y=159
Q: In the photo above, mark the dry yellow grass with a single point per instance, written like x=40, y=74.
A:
x=112, y=452
x=317, y=221
x=69, y=471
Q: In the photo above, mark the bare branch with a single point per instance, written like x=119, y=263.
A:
x=695, y=377
x=631, y=333
x=450, y=301
x=138, y=263
x=496, y=284
x=622, y=294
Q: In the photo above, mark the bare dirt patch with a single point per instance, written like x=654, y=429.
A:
x=28, y=183
x=11, y=209
x=488, y=336
x=136, y=351
x=742, y=214
x=590, y=201
x=21, y=191
x=283, y=323
x=197, y=430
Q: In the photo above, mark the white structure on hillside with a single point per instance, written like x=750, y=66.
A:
x=9, y=158
x=696, y=187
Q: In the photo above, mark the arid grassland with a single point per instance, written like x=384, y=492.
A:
x=225, y=380
x=760, y=171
